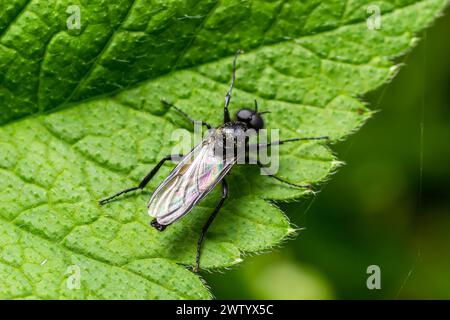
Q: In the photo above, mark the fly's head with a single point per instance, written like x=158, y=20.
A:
x=252, y=118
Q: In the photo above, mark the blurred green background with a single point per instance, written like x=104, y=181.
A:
x=388, y=206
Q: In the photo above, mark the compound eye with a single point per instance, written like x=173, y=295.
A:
x=245, y=114
x=257, y=122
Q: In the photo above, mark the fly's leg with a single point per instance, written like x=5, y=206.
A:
x=281, y=179
x=280, y=142
x=208, y=223
x=184, y=114
x=144, y=181
x=226, y=112
x=277, y=143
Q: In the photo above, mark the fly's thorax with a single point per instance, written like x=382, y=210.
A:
x=232, y=139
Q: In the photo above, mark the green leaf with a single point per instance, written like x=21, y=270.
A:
x=81, y=118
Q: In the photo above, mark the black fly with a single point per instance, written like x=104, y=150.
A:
x=204, y=167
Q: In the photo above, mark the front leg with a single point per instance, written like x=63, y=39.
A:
x=226, y=112
x=280, y=142
x=184, y=114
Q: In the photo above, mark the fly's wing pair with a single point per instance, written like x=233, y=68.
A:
x=191, y=180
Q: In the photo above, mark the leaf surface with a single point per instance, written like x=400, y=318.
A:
x=81, y=119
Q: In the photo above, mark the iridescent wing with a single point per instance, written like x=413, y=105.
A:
x=191, y=180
